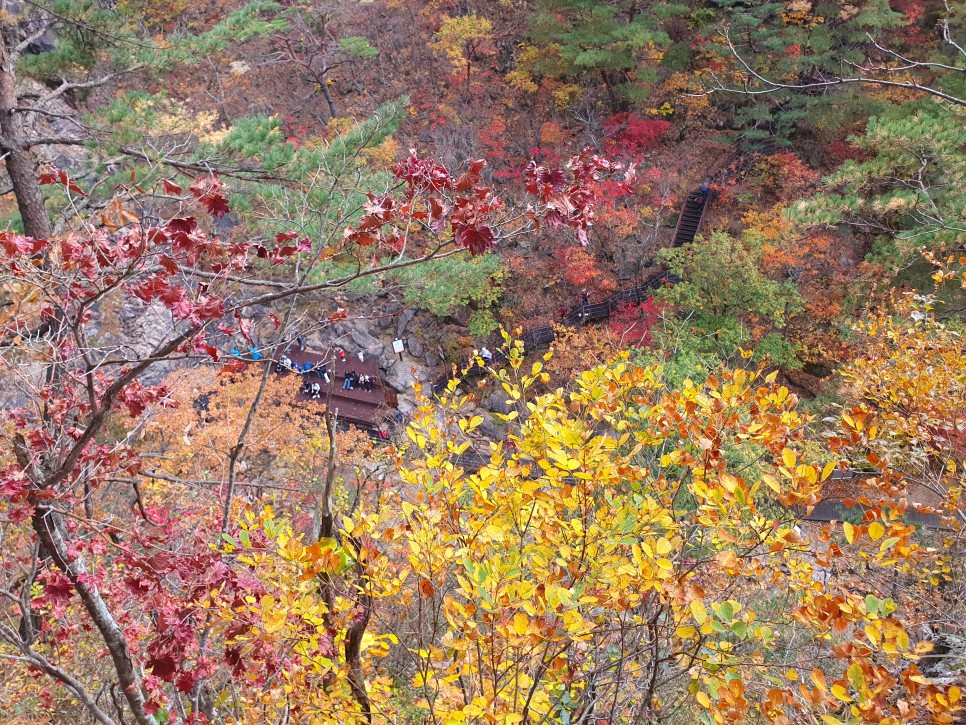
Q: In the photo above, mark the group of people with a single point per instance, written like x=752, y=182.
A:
x=355, y=380
x=319, y=370
x=306, y=369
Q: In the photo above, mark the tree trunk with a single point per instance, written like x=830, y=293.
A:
x=49, y=527
x=21, y=166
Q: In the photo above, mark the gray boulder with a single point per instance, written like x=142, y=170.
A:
x=405, y=317
x=499, y=402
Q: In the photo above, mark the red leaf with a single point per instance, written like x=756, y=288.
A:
x=208, y=192
x=477, y=238
x=171, y=188
x=163, y=666
x=168, y=264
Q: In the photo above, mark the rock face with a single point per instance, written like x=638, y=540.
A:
x=499, y=402
x=946, y=663
x=415, y=347
x=492, y=428
x=405, y=317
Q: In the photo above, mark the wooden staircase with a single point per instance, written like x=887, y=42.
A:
x=689, y=224
x=692, y=216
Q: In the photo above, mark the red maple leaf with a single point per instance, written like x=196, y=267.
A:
x=208, y=192
x=477, y=238
x=163, y=666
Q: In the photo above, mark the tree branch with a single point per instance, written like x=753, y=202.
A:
x=774, y=86
x=42, y=663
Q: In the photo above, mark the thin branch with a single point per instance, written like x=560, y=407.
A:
x=42, y=663
x=773, y=86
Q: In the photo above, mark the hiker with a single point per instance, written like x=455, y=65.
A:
x=341, y=354
x=584, y=304
x=706, y=187
x=347, y=385
x=285, y=363
x=362, y=356
x=486, y=355
x=300, y=343
x=563, y=312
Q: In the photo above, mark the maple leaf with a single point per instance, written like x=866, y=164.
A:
x=471, y=177
x=422, y=175
x=232, y=366
x=185, y=682
x=58, y=591
x=173, y=295
x=168, y=264
x=181, y=226
x=147, y=289
x=208, y=192
x=477, y=238
x=235, y=659
x=13, y=483
x=16, y=244
x=163, y=666
x=182, y=309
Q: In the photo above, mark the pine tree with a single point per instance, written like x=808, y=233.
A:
x=613, y=40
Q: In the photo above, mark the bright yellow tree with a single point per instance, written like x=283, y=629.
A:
x=629, y=552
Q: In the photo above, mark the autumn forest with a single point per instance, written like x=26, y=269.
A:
x=482, y=362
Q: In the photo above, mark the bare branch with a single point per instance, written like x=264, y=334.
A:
x=771, y=86
x=42, y=663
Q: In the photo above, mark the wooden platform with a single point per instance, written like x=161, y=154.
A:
x=364, y=408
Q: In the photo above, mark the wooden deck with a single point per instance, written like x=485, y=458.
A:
x=364, y=408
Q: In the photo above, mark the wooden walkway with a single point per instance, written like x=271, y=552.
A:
x=364, y=408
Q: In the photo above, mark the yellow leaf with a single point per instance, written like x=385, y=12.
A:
x=520, y=623
x=840, y=693
x=687, y=632
x=771, y=482
x=788, y=458
x=849, y=530
x=827, y=471
x=831, y=720
x=699, y=611
x=876, y=530
x=703, y=698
